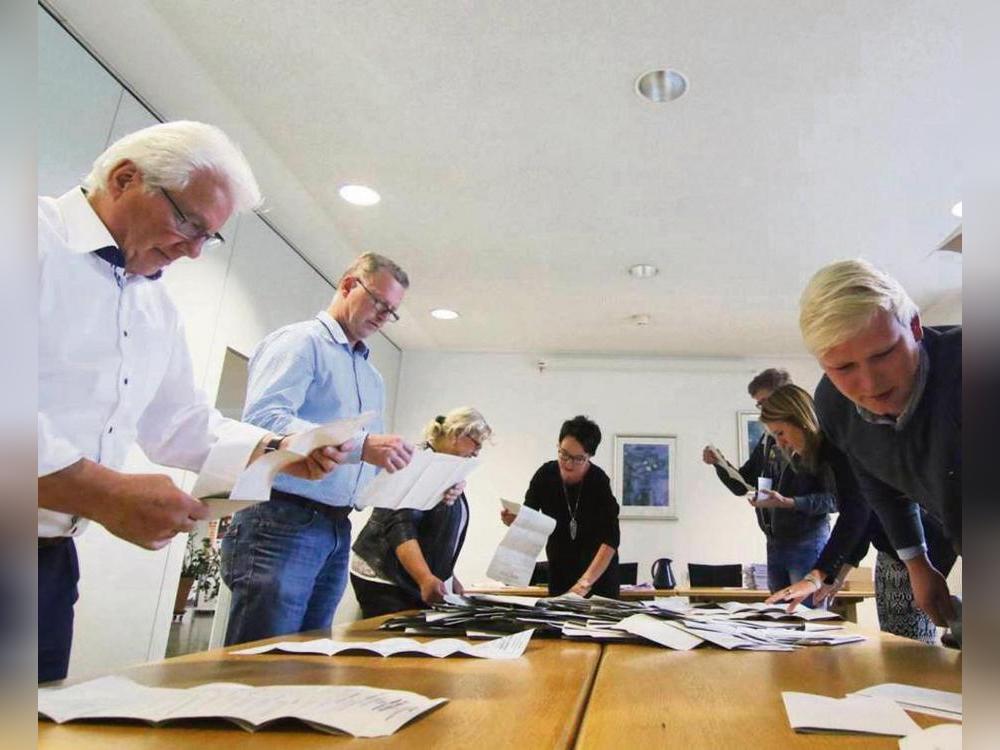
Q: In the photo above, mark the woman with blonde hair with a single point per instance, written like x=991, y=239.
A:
x=405, y=559
x=790, y=416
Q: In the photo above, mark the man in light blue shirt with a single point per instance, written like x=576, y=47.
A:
x=286, y=560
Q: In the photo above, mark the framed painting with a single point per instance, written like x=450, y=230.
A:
x=751, y=430
x=645, y=476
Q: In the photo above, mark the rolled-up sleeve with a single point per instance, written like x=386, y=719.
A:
x=55, y=451
x=400, y=525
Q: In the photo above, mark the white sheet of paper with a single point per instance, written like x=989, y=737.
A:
x=356, y=710
x=508, y=647
x=420, y=484
x=938, y=737
x=659, y=631
x=923, y=700
x=818, y=713
x=514, y=560
x=253, y=483
x=727, y=467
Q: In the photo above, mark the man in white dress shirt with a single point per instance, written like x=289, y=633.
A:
x=113, y=364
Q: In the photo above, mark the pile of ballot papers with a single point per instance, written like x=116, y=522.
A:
x=670, y=622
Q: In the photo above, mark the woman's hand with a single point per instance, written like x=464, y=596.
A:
x=794, y=593
x=507, y=517
x=581, y=587
x=453, y=493
x=456, y=586
x=432, y=589
x=769, y=499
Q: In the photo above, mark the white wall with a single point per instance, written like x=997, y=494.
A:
x=231, y=297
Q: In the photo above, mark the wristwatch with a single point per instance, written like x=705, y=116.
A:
x=274, y=443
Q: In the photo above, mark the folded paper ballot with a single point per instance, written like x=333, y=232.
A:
x=660, y=631
x=355, y=710
x=938, y=737
x=509, y=647
x=818, y=713
x=514, y=560
x=922, y=700
x=727, y=467
x=224, y=495
x=420, y=484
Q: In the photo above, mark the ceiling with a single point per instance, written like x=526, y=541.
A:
x=521, y=174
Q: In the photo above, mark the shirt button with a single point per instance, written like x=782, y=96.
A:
x=126, y=381
x=125, y=333
x=110, y=430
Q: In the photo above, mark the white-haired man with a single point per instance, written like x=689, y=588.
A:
x=113, y=364
x=891, y=399
x=286, y=561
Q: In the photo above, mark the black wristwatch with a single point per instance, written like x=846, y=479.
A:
x=274, y=443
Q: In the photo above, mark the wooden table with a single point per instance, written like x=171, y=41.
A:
x=846, y=603
x=562, y=694
x=533, y=702
x=710, y=698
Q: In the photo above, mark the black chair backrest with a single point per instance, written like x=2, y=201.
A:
x=540, y=575
x=715, y=575
x=628, y=573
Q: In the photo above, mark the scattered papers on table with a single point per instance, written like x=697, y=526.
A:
x=509, y=647
x=420, y=484
x=938, y=737
x=817, y=713
x=355, y=710
x=671, y=623
x=514, y=560
x=922, y=700
x=225, y=487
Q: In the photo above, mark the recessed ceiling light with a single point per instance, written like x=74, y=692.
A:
x=956, y=210
x=359, y=195
x=661, y=86
x=444, y=314
x=643, y=270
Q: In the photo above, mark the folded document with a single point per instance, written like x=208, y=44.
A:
x=509, y=647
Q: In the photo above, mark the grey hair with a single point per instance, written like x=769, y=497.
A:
x=841, y=298
x=168, y=154
x=463, y=421
x=368, y=264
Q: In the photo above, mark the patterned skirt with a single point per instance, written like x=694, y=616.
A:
x=897, y=612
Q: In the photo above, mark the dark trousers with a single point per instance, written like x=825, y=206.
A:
x=382, y=599
x=58, y=574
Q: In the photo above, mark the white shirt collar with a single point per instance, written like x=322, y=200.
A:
x=85, y=232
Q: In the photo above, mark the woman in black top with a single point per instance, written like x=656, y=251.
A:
x=403, y=558
x=583, y=548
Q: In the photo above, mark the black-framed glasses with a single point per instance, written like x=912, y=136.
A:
x=381, y=306
x=569, y=458
x=188, y=229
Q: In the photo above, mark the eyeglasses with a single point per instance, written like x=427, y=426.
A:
x=569, y=458
x=381, y=306
x=188, y=229
x=478, y=445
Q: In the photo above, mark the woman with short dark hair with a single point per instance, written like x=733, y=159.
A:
x=583, y=548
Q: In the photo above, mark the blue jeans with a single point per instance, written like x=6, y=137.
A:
x=789, y=562
x=286, y=564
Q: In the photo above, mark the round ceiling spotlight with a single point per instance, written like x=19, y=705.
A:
x=643, y=270
x=660, y=86
x=442, y=313
x=956, y=210
x=359, y=195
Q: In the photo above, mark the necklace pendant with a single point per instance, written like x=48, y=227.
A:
x=572, y=528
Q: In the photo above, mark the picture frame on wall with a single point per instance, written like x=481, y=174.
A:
x=750, y=431
x=645, y=476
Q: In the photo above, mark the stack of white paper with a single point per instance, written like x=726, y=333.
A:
x=817, y=713
x=508, y=647
x=360, y=711
x=922, y=700
x=420, y=484
x=514, y=560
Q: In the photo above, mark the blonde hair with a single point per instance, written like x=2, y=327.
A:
x=168, y=154
x=794, y=405
x=460, y=422
x=841, y=298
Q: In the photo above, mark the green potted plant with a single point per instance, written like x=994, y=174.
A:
x=200, y=568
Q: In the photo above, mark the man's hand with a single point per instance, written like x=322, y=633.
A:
x=432, y=589
x=769, y=499
x=708, y=456
x=507, y=517
x=145, y=509
x=320, y=462
x=390, y=452
x=794, y=594
x=452, y=493
x=930, y=590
